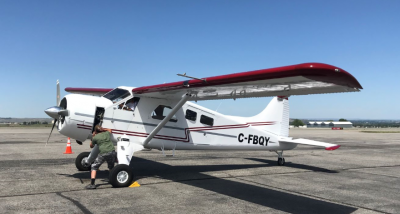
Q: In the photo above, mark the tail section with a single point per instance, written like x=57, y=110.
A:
x=277, y=111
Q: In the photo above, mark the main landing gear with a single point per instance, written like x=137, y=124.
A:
x=281, y=159
x=121, y=176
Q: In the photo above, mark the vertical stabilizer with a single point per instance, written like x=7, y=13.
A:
x=277, y=112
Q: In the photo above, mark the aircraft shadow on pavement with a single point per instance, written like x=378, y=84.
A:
x=193, y=176
x=101, y=175
x=294, y=165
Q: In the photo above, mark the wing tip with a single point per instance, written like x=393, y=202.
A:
x=331, y=148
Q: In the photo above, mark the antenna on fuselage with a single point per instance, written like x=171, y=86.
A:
x=218, y=107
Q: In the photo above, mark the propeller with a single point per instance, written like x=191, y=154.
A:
x=55, y=111
x=54, y=123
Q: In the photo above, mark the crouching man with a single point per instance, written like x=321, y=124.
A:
x=102, y=137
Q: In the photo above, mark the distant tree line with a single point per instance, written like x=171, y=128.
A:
x=358, y=123
x=34, y=122
x=376, y=124
x=297, y=123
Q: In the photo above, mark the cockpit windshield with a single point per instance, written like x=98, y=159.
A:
x=117, y=95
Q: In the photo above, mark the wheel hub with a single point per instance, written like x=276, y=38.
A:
x=122, y=176
x=84, y=162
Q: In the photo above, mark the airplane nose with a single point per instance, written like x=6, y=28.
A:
x=53, y=111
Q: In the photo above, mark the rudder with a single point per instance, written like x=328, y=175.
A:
x=277, y=111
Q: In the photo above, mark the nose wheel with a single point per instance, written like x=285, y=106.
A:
x=281, y=159
x=81, y=162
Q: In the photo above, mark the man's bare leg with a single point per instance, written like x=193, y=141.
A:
x=93, y=176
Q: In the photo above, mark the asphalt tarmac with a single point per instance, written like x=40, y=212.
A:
x=363, y=176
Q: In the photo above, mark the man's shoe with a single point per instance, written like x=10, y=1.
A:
x=90, y=186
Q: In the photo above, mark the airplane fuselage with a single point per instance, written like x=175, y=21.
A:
x=192, y=127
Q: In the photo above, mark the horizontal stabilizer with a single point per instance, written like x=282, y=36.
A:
x=328, y=146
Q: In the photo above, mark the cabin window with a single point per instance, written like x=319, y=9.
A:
x=117, y=95
x=206, y=120
x=129, y=105
x=161, y=112
x=191, y=115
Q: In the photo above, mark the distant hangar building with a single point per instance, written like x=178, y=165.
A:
x=329, y=124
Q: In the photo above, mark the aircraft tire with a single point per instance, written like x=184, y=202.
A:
x=121, y=176
x=281, y=161
x=78, y=162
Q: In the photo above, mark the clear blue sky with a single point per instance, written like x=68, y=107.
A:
x=138, y=43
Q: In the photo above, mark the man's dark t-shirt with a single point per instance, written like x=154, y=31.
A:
x=103, y=139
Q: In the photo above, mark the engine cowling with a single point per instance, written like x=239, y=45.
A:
x=81, y=109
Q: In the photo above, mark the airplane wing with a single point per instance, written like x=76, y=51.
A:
x=301, y=79
x=328, y=146
x=89, y=91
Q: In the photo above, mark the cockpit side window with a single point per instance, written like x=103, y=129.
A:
x=117, y=95
x=161, y=112
x=129, y=105
x=121, y=105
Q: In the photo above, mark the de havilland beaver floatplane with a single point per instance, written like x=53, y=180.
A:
x=161, y=116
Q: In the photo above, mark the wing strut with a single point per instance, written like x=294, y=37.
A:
x=179, y=105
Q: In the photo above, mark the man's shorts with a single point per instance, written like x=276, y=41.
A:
x=110, y=157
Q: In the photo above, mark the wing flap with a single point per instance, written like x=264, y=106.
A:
x=328, y=146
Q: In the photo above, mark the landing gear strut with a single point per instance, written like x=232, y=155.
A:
x=281, y=160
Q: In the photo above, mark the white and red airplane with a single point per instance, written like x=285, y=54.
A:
x=161, y=116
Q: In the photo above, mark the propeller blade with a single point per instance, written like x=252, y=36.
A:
x=58, y=93
x=54, y=123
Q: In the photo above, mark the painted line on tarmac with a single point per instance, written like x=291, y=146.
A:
x=79, y=205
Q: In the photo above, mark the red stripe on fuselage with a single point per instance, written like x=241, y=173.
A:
x=186, y=130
